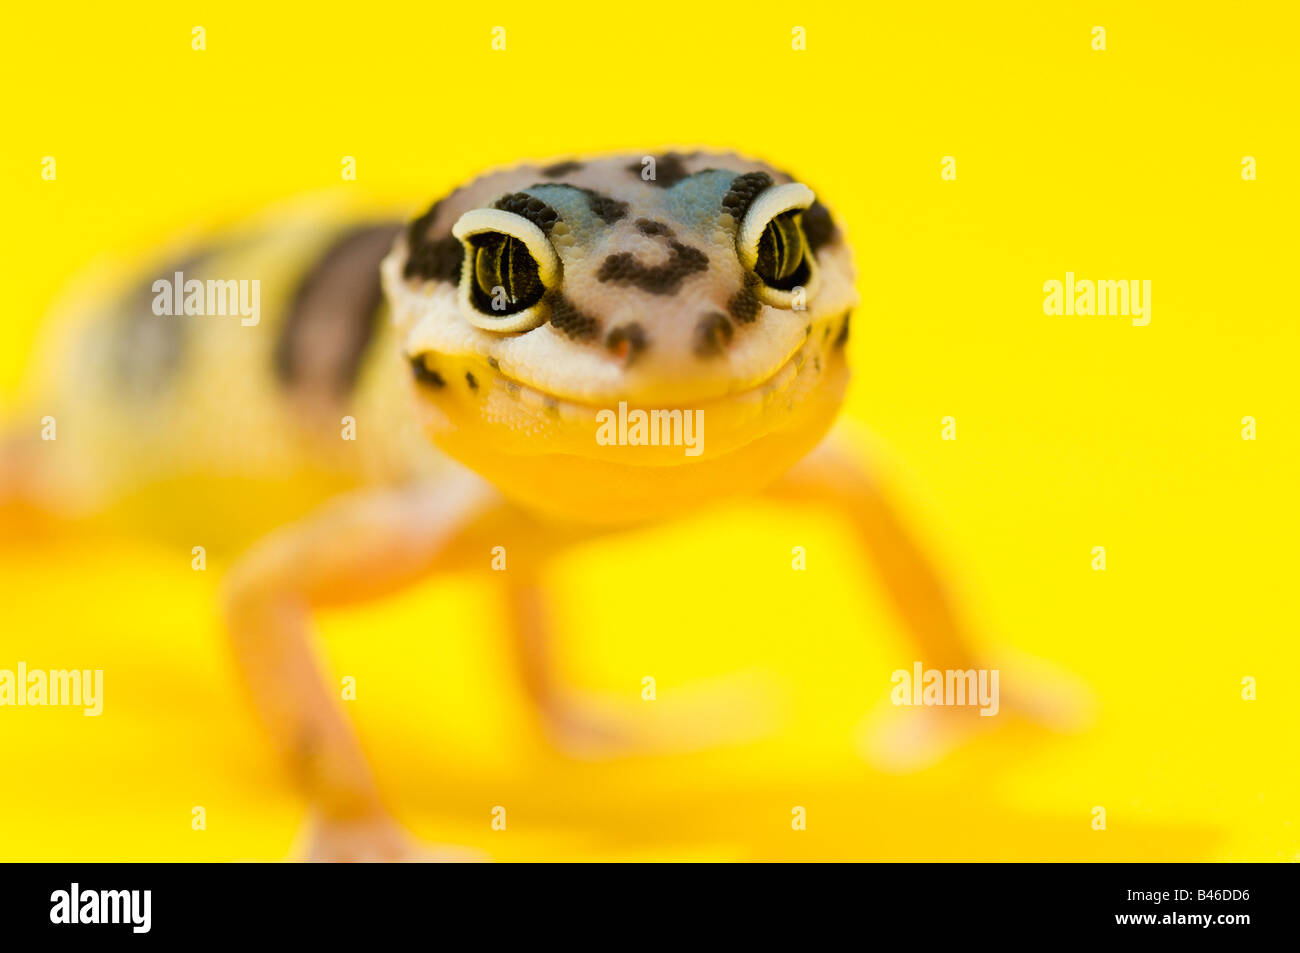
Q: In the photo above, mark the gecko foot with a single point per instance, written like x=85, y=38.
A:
x=730, y=711
x=904, y=739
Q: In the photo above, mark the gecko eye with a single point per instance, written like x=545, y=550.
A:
x=505, y=274
x=781, y=251
x=772, y=245
x=510, y=265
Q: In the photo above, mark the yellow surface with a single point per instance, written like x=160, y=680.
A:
x=1072, y=432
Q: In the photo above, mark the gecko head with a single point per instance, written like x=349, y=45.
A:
x=612, y=340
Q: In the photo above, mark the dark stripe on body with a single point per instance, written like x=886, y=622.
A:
x=333, y=314
x=147, y=349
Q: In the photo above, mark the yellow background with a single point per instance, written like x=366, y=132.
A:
x=1072, y=432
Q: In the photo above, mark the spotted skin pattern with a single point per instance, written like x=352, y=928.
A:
x=647, y=246
x=650, y=305
x=647, y=302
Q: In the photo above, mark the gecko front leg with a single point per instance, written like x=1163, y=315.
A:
x=910, y=738
x=591, y=727
x=356, y=548
x=574, y=725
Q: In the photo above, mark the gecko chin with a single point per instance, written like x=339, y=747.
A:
x=624, y=461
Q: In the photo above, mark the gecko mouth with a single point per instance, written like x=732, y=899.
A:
x=477, y=377
x=500, y=425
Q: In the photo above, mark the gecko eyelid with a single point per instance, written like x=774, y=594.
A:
x=510, y=265
x=771, y=244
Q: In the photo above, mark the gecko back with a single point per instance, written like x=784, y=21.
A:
x=222, y=387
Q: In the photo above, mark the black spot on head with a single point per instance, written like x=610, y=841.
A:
x=470, y=380
x=561, y=168
x=627, y=341
x=432, y=259
x=712, y=334
x=425, y=374
x=609, y=210
x=649, y=227
x=742, y=192
x=567, y=317
x=745, y=303
x=669, y=170
x=842, y=338
x=494, y=364
x=438, y=260
x=683, y=260
x=818, y=229
x=529, y=207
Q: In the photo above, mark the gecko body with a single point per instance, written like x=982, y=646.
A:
x=502, y=326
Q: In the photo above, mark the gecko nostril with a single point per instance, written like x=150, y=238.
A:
x=627, y=341
x=713, y=333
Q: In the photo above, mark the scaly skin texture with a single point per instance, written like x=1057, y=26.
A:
x=635, y=280
x=651, y=306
